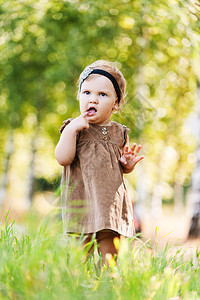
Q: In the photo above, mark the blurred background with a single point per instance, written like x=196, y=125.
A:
x=45, y=44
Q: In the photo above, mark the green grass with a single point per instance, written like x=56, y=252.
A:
x=38, y=262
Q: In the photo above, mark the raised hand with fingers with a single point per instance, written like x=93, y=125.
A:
x=130, y=157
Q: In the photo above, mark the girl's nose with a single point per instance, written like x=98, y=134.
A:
x=94, y=99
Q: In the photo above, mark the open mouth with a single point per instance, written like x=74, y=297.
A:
x=91, y=111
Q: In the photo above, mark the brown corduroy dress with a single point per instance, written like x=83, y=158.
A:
x=93, y=192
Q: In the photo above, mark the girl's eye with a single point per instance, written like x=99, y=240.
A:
x=103, y=94
x=87, y=92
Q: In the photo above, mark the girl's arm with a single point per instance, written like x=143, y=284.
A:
x=129, y=157
x=66, y=148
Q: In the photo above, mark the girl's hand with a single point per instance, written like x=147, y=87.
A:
x=129, y=158
x=80, y=122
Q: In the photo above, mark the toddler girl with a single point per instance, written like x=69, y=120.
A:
x=95, y=153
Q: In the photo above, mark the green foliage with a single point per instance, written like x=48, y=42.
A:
x=38, y=262
x=46, y=44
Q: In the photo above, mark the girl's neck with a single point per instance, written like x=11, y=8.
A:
x=107, y=124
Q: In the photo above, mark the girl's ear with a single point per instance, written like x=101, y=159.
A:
x=116, y=106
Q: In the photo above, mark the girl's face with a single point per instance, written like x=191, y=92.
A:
x=97, y=97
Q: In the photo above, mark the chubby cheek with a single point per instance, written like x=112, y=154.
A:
x=82, y=106
x=108, y=110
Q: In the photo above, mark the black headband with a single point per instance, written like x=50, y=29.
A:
x=89, y=71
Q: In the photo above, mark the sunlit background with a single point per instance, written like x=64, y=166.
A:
x=44, y=45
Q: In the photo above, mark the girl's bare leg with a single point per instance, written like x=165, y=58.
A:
x=90, y=248
x=106, y=245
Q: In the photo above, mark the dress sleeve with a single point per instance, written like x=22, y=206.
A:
x=126, y=130
x=66, y=122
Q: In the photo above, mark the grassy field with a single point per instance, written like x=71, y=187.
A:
x=38, y=262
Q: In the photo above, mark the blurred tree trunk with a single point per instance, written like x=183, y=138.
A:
x=178, y=198
x=156, y=204
x=194, y=230
x=156, y=201
x=9, y=149
x=31, y=172
x=143, y=197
